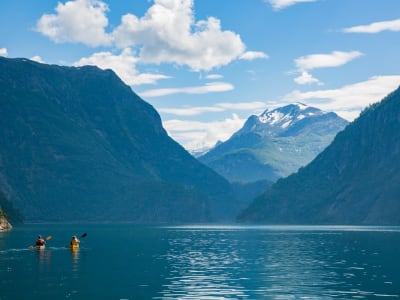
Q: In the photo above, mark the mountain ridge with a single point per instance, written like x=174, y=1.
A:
x=353, y=181
x=72, y=133
x=275, y=143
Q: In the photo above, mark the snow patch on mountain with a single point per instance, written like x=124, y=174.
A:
x=285, y=116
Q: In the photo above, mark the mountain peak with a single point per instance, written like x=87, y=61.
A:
x=286, y=115
x=352, y=181
x=275, y=143
x=288, y=120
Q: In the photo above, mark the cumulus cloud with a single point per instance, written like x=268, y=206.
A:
x=166, y=33
x=195, y=135
x=81, y=21
x=306, y=78
x=124, y=65
x=3, y=52
x=212, y=87
x=218, y=107
x=376, y=27
x=349, y=100
x=280, y=4
x=37, y=58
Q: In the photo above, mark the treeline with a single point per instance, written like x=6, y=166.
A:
x=8, y=211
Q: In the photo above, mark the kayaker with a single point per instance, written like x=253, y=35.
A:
x=40, y=241
x=74, y=241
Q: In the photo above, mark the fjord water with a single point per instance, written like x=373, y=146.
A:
x=128, y=261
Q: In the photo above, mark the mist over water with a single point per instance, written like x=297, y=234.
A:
x=127, y=261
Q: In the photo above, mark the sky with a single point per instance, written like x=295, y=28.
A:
x=207, y=65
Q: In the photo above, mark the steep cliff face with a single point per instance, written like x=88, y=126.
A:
x=77, y=144
x=355, y=180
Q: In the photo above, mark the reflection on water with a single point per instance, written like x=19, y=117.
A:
x=44, y=258
x=205, y=268
x=122, y=261
x=232, y=264
x=75, y=260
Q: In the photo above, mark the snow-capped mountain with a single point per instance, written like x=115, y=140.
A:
x=275, y=143
x=291, y=119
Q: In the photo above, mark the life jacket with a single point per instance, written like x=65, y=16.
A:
x=40, y=242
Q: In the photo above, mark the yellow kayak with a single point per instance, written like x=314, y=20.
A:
x=40, y=247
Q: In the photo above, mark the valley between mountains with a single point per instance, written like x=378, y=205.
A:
x=78, y=145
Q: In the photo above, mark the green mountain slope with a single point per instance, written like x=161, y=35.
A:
x=76, y=144
x=355, y=180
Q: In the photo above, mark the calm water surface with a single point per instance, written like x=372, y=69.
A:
x=127, y=261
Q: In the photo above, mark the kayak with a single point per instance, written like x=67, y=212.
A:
x=40, y=247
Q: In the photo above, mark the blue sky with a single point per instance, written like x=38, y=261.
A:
x=207, y=65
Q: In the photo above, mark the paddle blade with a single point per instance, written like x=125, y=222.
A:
x=48, y=237
x=83, y=235
x=31, y=247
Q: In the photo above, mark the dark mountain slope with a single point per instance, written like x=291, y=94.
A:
x=275, y=143
x=77, y=144
x=354, y=181
x=7, y=210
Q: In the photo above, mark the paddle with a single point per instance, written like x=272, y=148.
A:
x=49, y=237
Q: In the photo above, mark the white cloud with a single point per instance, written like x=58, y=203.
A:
x=3, y=52
x=195, y=135
x=124, y=65
x=253, y=106
x=280, y=4
x=218, y=107
x=212, y=87
x=190, y=111
x=37, y=58
x=306, y=78
x=82, y=21
x=250, y=55
x=335, y=59
x=214, y=76
x=348, y=101
x=375, y=27
x=168, y=33
x=316, y=61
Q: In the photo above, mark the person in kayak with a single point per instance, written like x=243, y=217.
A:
x=40, y=241
x=74, y=242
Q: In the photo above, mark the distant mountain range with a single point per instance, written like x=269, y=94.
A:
x=274, y=144
x=355, y=180
x=77, y=144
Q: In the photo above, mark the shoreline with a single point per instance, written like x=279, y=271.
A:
x=4, y=224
